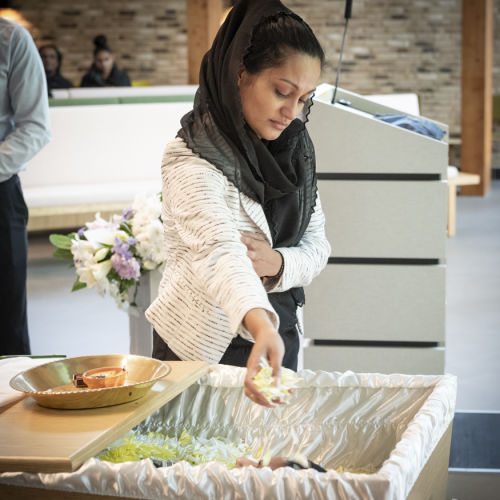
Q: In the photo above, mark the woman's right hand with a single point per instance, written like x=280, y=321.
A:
x=268, y=345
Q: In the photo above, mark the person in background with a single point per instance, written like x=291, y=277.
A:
x=52, y=60
x=104, y=72
x=24, y=130
x=243, y=225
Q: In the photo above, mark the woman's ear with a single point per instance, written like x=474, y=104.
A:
x=241, y=70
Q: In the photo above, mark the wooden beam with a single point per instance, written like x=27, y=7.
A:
x=477, y=61
x=203, y=21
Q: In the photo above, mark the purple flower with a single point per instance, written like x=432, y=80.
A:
x=127, y=213
x=126, y=268
x=81, y=231
x=122, y=247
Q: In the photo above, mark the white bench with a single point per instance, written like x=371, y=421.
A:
x=100, y=157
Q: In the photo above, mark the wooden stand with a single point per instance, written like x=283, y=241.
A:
x=433, y=480
x=141, y=331
x=462, y=179
x=477, y=104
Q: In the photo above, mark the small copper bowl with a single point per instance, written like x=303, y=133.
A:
x=106, y=376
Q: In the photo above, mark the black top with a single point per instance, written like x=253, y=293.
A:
x=117, y=78
x=57, y=81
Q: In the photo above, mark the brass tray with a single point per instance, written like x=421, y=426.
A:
x=51, y=385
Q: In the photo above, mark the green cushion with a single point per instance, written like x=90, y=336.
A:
x=156, y=98
x=81, y=101
x=93, y=101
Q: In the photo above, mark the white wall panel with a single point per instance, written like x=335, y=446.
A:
x=385, y=219
x=377, y=303
x=409, y=360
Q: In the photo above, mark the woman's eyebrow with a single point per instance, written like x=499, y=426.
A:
x=296, y=86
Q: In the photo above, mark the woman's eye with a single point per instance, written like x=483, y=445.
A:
x=286, y=96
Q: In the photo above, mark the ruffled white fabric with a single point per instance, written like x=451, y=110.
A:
x=386, y=423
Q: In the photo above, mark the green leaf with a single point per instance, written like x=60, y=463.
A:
x=78, y=285
x=125, y=226
x=61, y=241
x=61, y=253
x=113, y=275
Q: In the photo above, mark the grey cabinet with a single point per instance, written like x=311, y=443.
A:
x=379, y=306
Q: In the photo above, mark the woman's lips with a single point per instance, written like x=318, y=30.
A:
x=279, y=125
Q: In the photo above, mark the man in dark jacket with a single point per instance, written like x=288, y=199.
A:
x=52, y=59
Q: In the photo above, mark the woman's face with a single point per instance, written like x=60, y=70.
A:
x=104, y=62
x=50, y=60
x=271, y=99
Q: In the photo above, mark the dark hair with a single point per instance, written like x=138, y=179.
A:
x=53, y=47
x=101, y=43
x=273, y=39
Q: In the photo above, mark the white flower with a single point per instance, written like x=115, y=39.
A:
x=101, y=269
x=100, y=236
x=145, y=210
x=150, y=244
x=98, y=222
x=137, y=248
x=86, y=275
x=101, y=254
x=149, y=265
x=94, y=273
x=82, y=250
x=117, y=219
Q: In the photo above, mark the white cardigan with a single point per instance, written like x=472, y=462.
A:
x=209, y=284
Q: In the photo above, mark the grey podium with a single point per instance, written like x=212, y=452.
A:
x=379, y=306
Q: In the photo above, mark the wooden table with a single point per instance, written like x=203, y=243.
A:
x=37, y=439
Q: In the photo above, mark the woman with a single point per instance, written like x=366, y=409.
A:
x=243, y=224
x=52, y=60
x=103, y=72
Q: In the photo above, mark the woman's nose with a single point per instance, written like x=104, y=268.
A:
x=290, y=110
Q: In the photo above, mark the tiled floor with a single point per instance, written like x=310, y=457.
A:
x=82, y=322
x=64, y=322
x=473, y=302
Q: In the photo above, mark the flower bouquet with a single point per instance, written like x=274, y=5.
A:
x=112, y=255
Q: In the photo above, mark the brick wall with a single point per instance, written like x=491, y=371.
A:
x=395, y=46
x=147, y=37
x=392, y=46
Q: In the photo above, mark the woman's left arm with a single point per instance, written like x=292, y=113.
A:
x=300, y=264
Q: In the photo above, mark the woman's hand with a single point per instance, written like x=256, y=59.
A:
x=265, y=260
x=268, y=345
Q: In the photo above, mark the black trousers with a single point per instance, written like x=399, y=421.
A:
x=238, y=351
x=14, y=337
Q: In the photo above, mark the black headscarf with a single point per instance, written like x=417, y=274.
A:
x=278, y=174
